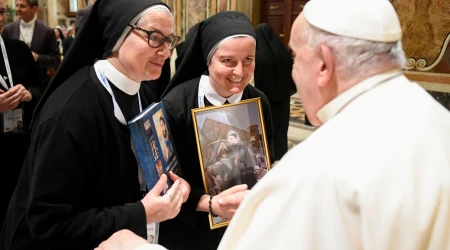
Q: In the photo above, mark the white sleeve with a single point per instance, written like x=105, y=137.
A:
x=291, y=213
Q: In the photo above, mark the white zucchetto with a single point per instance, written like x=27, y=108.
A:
x=373, y=20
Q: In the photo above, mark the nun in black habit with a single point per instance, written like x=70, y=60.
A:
x=80, y=181
x=219, y=62
x=273, y=76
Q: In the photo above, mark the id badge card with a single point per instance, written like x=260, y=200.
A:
x=12, y=121
x=152, y=233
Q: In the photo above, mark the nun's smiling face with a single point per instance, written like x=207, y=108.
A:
x=135, y=57
x=232, y=66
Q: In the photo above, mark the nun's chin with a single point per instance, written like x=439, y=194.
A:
x=236, y=90
x=152, y=74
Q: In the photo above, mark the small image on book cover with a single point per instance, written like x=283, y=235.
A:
x=152, y=142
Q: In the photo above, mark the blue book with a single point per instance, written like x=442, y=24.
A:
x=153, y=145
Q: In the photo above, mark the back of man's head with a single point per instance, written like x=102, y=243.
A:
x=364, y=34
x=340, y=43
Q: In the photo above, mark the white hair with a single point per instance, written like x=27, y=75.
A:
x=158, y=7
x=355, y=57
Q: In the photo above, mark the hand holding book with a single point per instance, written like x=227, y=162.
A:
x=160, y=208
x=185, y=187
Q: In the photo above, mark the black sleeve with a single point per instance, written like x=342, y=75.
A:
x=59, y=167
x=177, y=123
x=66, y=45
x=5, y=32
x=52, y=57
x=33, y=82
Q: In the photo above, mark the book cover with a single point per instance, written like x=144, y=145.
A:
x=153, y=145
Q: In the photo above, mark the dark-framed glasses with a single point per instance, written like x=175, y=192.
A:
x=156, y=38
x=4, y=12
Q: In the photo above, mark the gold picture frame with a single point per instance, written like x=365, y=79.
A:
x=232, y=147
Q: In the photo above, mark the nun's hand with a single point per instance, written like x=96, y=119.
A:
x=185, y=187
x=160, y=208
x=226, y=203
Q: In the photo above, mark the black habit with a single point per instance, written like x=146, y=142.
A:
x=190, y=229
x=14, y=147
x=79, y=182
x=273, y=76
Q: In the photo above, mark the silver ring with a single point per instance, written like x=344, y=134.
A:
x=171, y=197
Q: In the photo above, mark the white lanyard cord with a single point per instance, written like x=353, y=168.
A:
x=117, y=111
x=8, y=69
x=201, y=96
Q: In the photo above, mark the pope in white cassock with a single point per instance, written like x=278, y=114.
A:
x=376, y=174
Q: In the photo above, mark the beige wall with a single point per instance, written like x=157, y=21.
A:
x=189, y=12
x=186, y=12
x=51, y=12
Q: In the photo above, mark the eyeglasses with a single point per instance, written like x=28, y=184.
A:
x=156, y=38
x=4, y=12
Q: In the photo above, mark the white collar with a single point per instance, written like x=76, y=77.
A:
x=332, y=108
x=28, y=24
x=116, y=77
x=212, y=96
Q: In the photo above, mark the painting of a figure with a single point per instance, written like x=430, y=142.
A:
x=232, y=144
x=163, y=134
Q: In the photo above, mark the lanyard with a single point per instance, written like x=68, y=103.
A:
x=8, y=69
x=201, y=96
x=117, y=111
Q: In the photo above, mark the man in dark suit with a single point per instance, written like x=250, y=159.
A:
x=20, y=90
x=81, y=15
x=68, y=40
x=39, y=37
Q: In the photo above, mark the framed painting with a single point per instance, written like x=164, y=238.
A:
x=232, y=147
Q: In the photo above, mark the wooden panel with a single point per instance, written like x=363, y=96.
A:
x=297, y=7
x=273, y=8
x=277, y=24
x=233, y=5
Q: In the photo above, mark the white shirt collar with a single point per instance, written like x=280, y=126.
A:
x=116, y=77
x=212, y=96
x=29, y=24
x=338, y=103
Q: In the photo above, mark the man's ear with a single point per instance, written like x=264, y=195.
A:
x=326, y=66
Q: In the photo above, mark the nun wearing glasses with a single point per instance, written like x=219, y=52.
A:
x=80, y=181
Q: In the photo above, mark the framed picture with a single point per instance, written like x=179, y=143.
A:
x=71, y=8
x=232, y=147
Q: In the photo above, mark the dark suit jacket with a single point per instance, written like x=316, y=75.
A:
x=66, y=44
x=43, y=43
x=13, y=148
x=81, y=15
